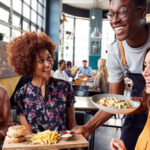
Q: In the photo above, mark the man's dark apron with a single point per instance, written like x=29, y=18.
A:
x=133, y=124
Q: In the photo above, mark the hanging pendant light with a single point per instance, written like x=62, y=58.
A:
x=95, y=33
x=93, y=15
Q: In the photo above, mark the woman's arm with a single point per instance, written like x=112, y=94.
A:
x=71, y=121
x=24, y=122
x=6, y=118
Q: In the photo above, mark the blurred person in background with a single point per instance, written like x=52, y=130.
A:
x=85, y=70
x=101, y=78
x=60, y=72
x=68, y=70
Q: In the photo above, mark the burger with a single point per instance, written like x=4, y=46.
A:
x=16, y=134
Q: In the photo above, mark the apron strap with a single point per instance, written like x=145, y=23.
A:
x=122, y=54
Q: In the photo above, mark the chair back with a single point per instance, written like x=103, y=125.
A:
x=81, y=90
x=80, y=87
x=81, y=93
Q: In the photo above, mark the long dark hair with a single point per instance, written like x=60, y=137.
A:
x=146, y=96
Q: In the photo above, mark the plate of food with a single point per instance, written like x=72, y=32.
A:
x=115, y=103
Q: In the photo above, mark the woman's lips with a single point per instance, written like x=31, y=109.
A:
x=47, y=70
x=148, y=83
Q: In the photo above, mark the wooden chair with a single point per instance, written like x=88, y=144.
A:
x=128, y=86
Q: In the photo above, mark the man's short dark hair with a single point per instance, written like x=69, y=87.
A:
x=142, y=3
x=61, y=62
x=84, y=60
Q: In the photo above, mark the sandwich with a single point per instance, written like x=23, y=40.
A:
x=16, y=134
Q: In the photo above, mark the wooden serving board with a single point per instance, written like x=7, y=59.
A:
x=76, y=141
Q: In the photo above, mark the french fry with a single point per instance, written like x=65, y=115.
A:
x=45, y=137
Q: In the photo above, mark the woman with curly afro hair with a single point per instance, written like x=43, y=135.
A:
x=45, y=102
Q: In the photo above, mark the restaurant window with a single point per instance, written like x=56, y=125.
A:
x=34, y=5
x=17, y=6
x=108, y=37
x=15, y=33
x=6, y=2
x=4, y=15
x=16, y=21
x=74, y=35
x=82, y=41
x=66, y=48
x=33, y=14
x=26, y=11
x=25, y=25
x=28, y=2
x=25, y=15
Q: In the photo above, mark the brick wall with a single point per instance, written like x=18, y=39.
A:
x=5, y=69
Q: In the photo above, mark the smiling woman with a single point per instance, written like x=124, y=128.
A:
x=45, y=102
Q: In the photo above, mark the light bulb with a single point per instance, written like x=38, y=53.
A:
x=93, y=17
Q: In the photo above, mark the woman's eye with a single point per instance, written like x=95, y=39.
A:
x=40, y=61
x=144, y=66
x=49, y=58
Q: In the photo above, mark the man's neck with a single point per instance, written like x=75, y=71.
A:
x=140, y=38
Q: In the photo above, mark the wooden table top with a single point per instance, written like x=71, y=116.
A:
x=77, y=141
x=84, y=103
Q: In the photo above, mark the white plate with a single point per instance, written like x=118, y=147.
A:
x=134, y=104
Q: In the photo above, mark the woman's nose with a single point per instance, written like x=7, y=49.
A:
x=47, y=63
x=146, y=71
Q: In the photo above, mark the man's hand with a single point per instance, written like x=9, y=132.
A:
x=81, y=130
x=142, y=107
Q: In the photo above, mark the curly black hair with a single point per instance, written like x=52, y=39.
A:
x=23, y=49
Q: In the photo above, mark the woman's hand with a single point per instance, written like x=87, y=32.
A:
x=117, y=145
x=23, y=121
x=81, y=130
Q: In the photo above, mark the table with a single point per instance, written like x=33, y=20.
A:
x=85, y=104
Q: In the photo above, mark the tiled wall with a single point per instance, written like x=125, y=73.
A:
x=5, y=68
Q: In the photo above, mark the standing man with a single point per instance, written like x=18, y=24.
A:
x=127, y=18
